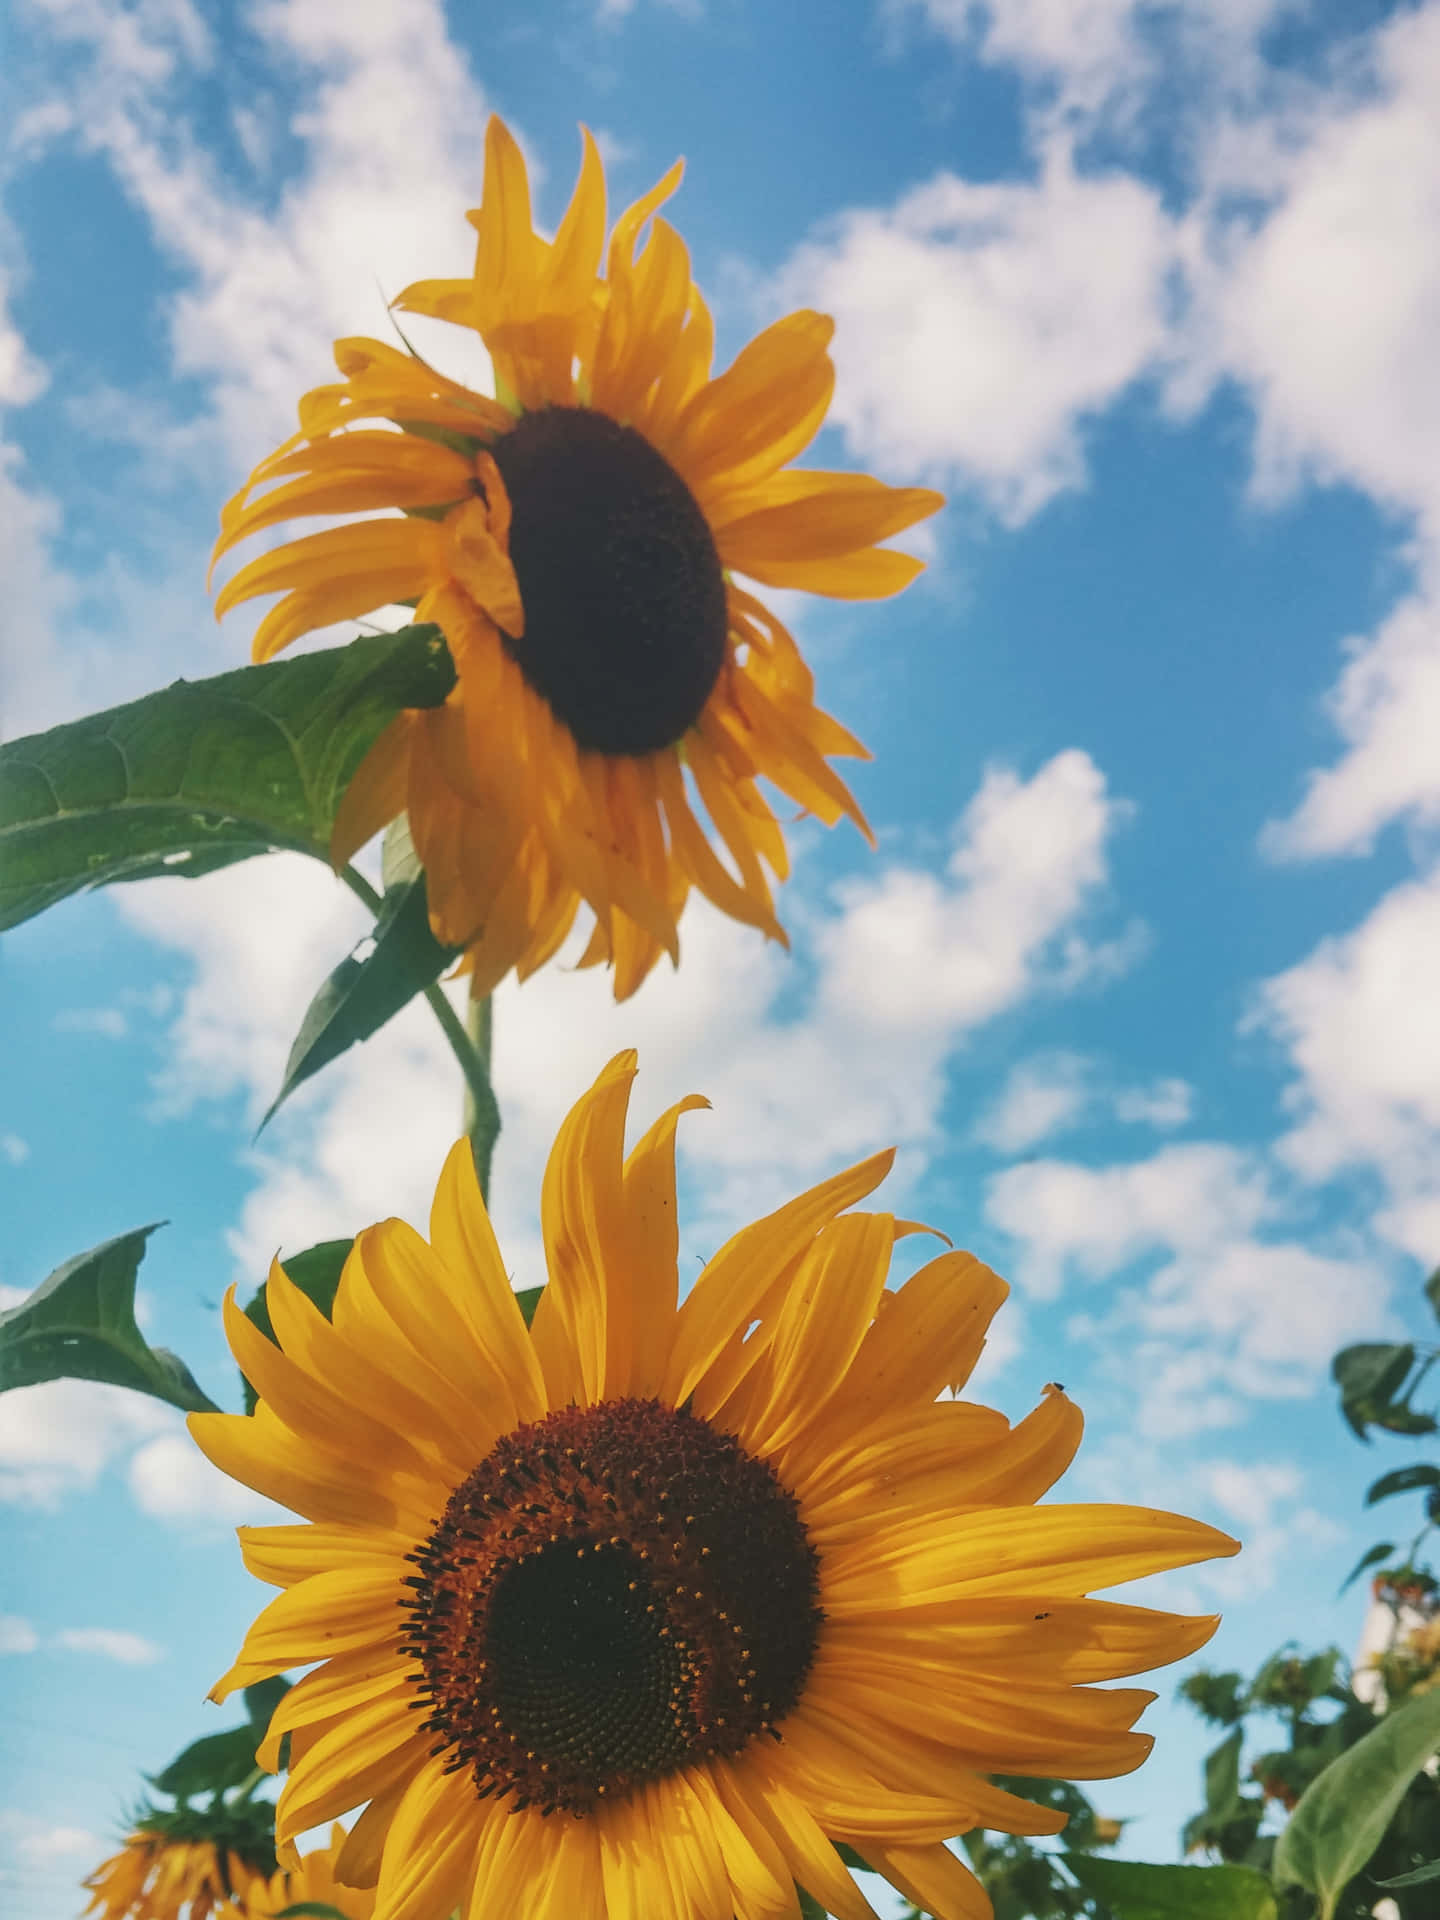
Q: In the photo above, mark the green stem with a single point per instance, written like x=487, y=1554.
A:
x=248, y=1786
x=469, y=1042
x=482, y=1109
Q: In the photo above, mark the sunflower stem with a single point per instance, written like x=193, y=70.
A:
x=482, y=1109
x=469, y=1042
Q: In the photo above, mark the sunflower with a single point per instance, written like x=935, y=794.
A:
x=719, y=1583
x=313, y=1881
x=576, y=539
x=167, y=1870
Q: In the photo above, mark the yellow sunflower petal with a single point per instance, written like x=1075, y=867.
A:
x=819, y=1327
x=722, y=1301
x=817, y=516
x=262, y=1454
x=653, y=1236
x=462, y=1236
x=928, y=1334
x=933, y=1878
x=430, y=1849
x=582, y=1218
x=874, y=574
x=1060, y=1550
x=376, y=793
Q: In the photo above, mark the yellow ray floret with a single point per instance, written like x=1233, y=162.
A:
x=578, y=537
x=155, y=1877
x=719, y=1581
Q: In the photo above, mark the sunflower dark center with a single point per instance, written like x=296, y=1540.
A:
x=625, y=612
x=614, y=1593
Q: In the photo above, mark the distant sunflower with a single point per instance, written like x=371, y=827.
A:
x=576, y=539
x=312, y=1881
x=167, y=1870
x=719, y=1582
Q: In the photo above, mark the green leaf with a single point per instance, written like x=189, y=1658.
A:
x=1138, y=1891
x=210, y=1765
x=1402, y=1480
x=399, y=959
x=79, y=1324
x=1373, y=1370
x=529, y=1298
x=261, y=1701
x=316, y=1272
x=1372, y=1557
x=317, y=1908
x=1432, y=1292
x=1222, y=1776
x=1341, y=1818
x=203, y=773
x=810, y=1907
x=1418, y=1878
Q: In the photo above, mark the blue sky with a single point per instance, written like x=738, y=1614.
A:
x=1141, y=977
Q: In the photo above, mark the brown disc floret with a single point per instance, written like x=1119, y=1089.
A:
x=615, y=1592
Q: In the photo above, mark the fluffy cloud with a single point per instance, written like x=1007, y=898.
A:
x=1386, y=708
x=110, y=1643
x=979, y=326
x=1360, y=1021
x=1225, y=1317
x=1089, y=1222
x=171, y=1480
x=908, y=962
x=59, y=1437
x=17, y=1635
x=1054, y=1092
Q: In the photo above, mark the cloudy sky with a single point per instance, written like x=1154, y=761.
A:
x=1141, y=979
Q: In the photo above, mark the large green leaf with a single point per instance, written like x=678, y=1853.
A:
x=211, y=1764
x=386, y=970
x=1138, y=1891
x=203, y=773
x=1341, y=1818
x=79, y=1324
x=1222, y=1776
x=1402, y=1480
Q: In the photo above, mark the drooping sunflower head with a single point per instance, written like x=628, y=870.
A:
x=577, y=537
x=639, y=1609
x=185, y=1864
x=311, y=1883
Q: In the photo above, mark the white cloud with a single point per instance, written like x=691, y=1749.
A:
x=13, y=1149
x=1166, y=1102
x=109, y=1022
x=1386, y=707
x=909, y=962
x=980, y=325
x=17, y=1635
x=285, y=923
x=1360, y=1020
x=1226, y=1318
x=1055, y=1092
x=1088, y=59
x=60, y=1436
x=171, y=1480
x=1040, y=1097
x=1089, y=1222
x=1326, y=311
x=110, y=1643
x=393, y=131
x=35, y=1841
